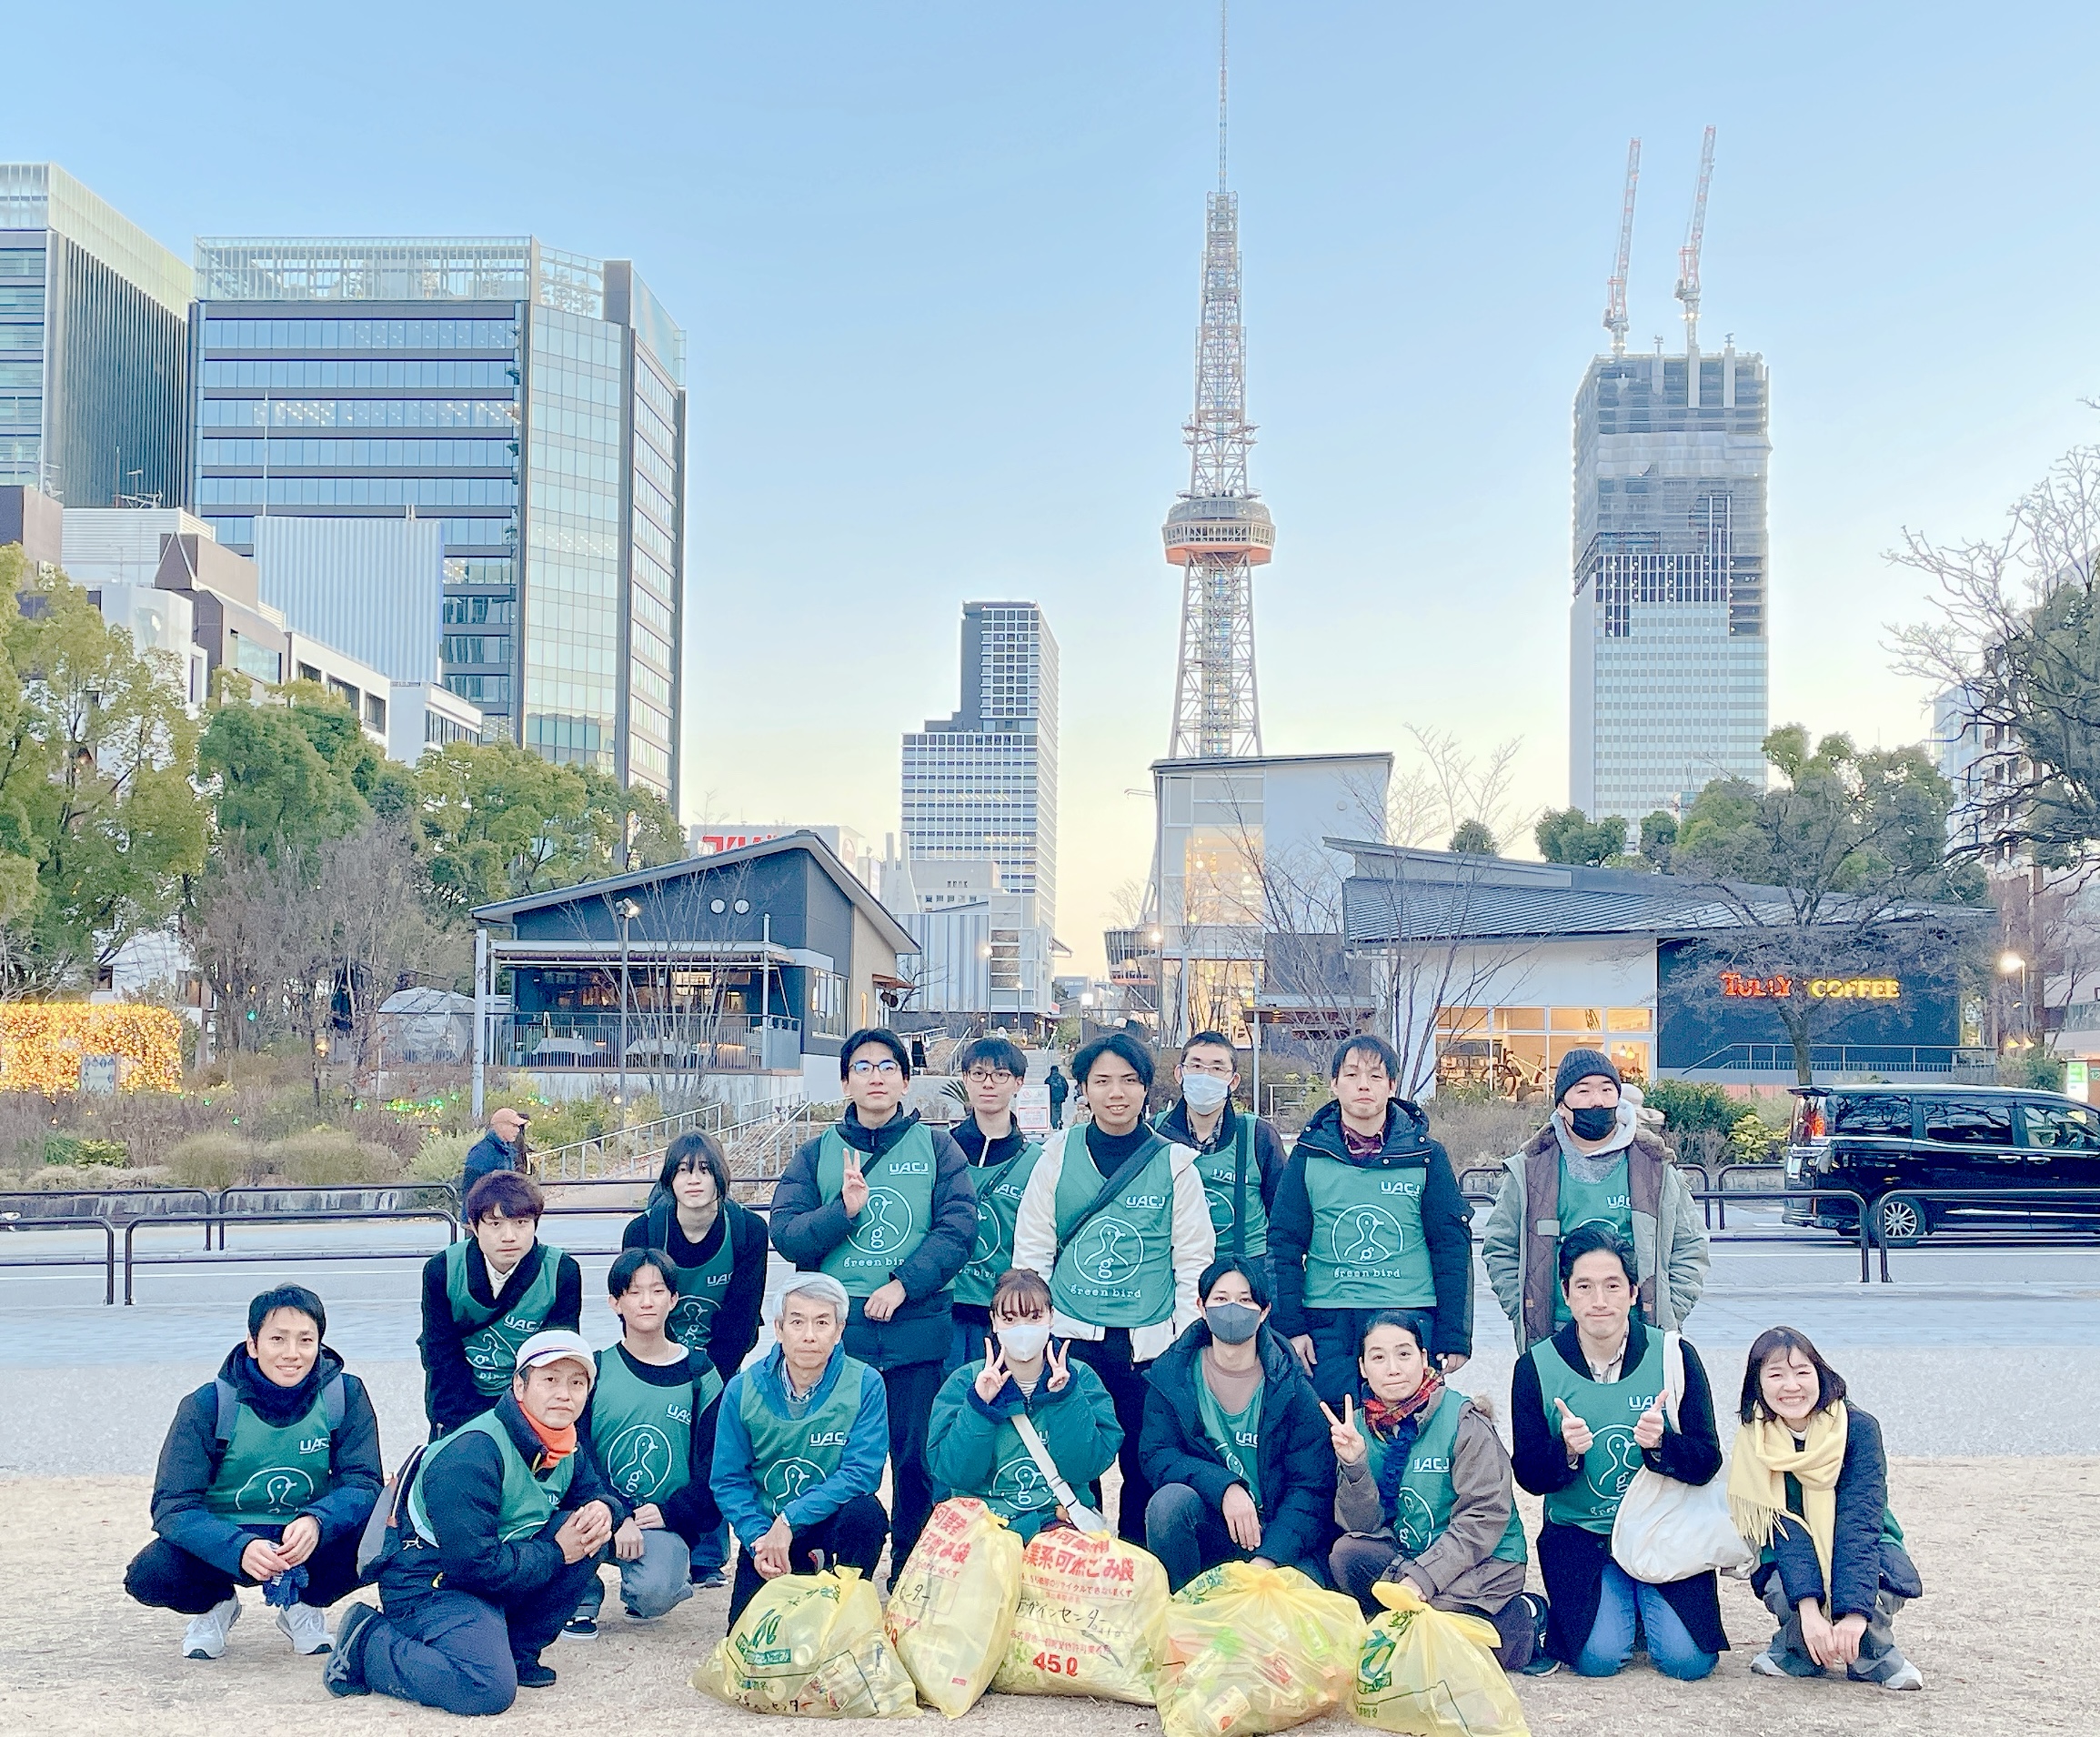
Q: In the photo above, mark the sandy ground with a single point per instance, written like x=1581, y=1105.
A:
x=2004, y=1638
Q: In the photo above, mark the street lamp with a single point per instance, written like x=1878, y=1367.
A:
x=627, y=910
x=2012, y=964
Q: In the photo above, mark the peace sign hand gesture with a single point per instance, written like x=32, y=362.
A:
x=853, y=1190
x=1349, y=1445
x=992, y=1378
x=1060, y=1364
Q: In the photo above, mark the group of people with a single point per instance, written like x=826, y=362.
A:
x=1260, y=1340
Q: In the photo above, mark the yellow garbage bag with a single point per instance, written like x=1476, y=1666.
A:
x=1090, y=1618
x=1253, y=1650
x=1432, y=1674
x=810, y=1644
x=950, y=1610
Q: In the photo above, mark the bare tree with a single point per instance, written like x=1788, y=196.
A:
x=1446, y=786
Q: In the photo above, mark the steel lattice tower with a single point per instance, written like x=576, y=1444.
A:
x=1217, y=533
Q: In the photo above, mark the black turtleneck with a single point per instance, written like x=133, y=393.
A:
x=983, y=1151
x=1109, y=1150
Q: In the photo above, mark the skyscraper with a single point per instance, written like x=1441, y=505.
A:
x=533, y=400
x=1667, y=680
x=984, y=783
x=94, y=317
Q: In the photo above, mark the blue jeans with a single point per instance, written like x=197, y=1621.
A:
x=649, y=1586
x=1671, y=1648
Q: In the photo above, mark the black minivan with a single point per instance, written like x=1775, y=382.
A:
x=1890, y=1144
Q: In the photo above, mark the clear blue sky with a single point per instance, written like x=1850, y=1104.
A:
x=938, y=265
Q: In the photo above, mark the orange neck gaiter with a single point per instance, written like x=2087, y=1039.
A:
x=555, y=1445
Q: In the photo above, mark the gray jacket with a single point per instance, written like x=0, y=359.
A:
x=1670, y=1246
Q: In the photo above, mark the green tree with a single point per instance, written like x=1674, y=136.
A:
x=1659, y=840
x=99, y=822
x=1473, y=839
x=1565, y=835
x=277, y=788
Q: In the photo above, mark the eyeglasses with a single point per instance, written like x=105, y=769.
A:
x=986, y=1076
x=864, y=1069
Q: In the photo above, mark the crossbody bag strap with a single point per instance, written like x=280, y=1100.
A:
x=1673, y=1377
x=1243, y=1141
x=1086, y=1518
x=1126, y=1173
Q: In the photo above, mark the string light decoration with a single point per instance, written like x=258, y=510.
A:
x=41, y=1044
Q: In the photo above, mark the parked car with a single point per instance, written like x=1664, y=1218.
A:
x=1892, y=1144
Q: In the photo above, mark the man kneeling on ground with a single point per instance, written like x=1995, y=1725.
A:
x=265, y=1480
x=799, y=1443
x=494, y=1537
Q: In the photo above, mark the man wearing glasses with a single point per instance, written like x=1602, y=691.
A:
x=1001, y=1159
x=883, y=1203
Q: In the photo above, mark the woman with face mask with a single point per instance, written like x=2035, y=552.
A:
x=1593, y=1164
x=1234, y=1442
x=1425, y=1496
x=975, y=1448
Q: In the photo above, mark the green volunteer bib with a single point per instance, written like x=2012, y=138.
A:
x=1017, y=1486
x=642, y=1435
x=1116, y=1269
x=791, y=1454
x=1612, y=1410
x=700, y=1288
x=1422, y=1505
x=492, y=1349
x=998, y=1188
x=893, y=1223
x=1367, y=1251
x=528, y=1503
x=1221, y=1171
x=1609, y=1202
x=270, y=1472
x=1237, y=1435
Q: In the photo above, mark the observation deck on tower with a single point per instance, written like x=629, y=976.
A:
x=1219, y=525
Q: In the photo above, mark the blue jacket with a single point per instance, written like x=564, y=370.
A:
x=190, y=1456
x=486, y=1155
x=859, y=1470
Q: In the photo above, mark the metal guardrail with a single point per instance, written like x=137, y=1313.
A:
x=221, y=1207
x=1867, y=1243
x=625, y=1146
x=132, y=1260
x=99, y=1197
x=108, y=1263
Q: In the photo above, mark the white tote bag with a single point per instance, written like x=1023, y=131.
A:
x=1669, y=1530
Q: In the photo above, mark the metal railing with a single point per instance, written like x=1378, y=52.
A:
x=100, y=1203
x=133, y=1260
x=1867, y=1243
x=676, y=1044
x=107, y=1261
x=1831, y=1060
x=625, y=1148
x=224, y=1203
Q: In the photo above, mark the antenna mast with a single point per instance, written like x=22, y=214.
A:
x=1688, y=255
x=1615, y=297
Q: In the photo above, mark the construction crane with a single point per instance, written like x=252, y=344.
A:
x=1615, y=298
x=1688, y=255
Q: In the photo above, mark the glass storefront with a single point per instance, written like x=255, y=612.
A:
x=1515, y=1050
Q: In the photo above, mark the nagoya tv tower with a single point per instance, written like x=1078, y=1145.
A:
x=1217, y=533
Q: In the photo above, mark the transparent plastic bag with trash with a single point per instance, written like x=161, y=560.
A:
x=952, y=1607
x=1251, y=1650
x=810, y=1644
x=1434, y=1673
x=1089, y=1621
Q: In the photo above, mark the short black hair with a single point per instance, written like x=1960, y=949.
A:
x=1001, y=1053
x=620, y=1276
x=1114, y=1043
x=1213, y=1041
x=1406, y=1319
x=1224, y=1266
x=1596, y=1238
x=505, y=1194
x=288, y=1296
x=1829, y=1384
x=694, y=1150
x=1367, y=1043
x=867, y=1035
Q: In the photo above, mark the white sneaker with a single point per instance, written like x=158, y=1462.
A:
x=1909, y=1677
x=206, y=1638
x=306, y=1628
x=1765, y=1665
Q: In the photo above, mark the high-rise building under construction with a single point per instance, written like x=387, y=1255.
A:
x=1668, y=659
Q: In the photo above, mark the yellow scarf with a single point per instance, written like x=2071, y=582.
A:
x=1764, y=1454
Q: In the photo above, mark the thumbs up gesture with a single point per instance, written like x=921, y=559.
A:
x=1575, y=1434
x=853, y=1188
x=1648, y=1432
x=1349, y=1447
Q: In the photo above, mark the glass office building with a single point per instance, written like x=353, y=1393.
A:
x=94, y=317
x=531, y=399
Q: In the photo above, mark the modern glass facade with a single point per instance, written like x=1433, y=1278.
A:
x=1668, y=652
x=92, y=346
x=497, y=385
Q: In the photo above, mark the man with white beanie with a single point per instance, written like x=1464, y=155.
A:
x=482, y=1547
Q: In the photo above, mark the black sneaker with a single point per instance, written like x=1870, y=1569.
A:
x=1541, y=1662
x=580, y=1628
x=532, y=1674
x=340, y=1672
x=710, y=1579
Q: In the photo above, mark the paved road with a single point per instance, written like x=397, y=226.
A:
x=1969, y=1351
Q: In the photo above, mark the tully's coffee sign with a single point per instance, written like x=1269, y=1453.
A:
x=1820, y=989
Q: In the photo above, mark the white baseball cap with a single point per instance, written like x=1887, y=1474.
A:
x=552, y=1347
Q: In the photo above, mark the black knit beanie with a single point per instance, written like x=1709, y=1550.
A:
x=1579, y=1065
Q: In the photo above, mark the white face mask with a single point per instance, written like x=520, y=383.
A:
x=1023, y=1340
x=1205, y=1091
